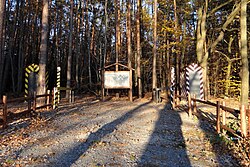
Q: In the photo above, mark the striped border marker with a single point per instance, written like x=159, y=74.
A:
x=172, y=87
x=194, y=68
x=31, y=68
x=58, y=82
x=47, y=80
x=183, y=84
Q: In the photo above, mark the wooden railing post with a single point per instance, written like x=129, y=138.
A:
x=29, y=104
x=174, y=100
x=34, y=102
x=218, y=116
x=223, y=117
x=5, y=112
x=194, y=105
x=70, y=96
x=243, y=124
x=248, y=115
x=73, y=96
x=189, y=105
x=48, y=99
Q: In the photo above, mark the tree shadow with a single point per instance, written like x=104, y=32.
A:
x=69, y=157
x=207, y=123
x=166, y=146
x=218, y=143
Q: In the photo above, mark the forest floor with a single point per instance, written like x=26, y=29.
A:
x=112, y=133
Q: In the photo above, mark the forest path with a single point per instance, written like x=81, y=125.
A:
x=114, y=133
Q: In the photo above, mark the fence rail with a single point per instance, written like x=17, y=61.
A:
x=51, y=100
x=221, y=110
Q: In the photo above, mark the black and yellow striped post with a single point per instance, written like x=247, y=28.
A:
x=58, y=82
x=31, y=68
x=47, y=80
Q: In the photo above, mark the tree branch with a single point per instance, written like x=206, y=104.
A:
x=218, y=7
x=229, y=20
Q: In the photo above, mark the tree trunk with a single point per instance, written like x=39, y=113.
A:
x=244, y=56
x=105, y=33
x=201, y=51
x=154, y=77
x=138, y=45
x=128, y=31
x=43, y=49
x=69, y=65
x=118, y=33
x=2, y=13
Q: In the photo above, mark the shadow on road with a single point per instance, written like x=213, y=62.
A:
x=207, y=121
x=73, y=154
x=166, y=146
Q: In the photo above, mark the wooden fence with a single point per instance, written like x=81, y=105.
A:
x=31, y=105
x=51, y=100
x=221, y=111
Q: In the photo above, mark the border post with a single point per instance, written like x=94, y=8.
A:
x=58, y=82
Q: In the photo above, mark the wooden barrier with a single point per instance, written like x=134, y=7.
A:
x=218, y=116
x=243, y=124
x=30, y=106
x=189, y=105
x=221, y=111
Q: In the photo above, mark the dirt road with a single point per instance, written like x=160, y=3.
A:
x=114, y=133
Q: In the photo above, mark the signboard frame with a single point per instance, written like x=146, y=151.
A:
x=117, y=84
x=117, y=79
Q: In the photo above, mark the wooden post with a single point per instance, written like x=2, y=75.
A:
x=73, y=97
x=189, y=105
x=243, y=124
x=218, y=116
x=34, y=102
x=102, y=82
x=70, y=96
x=194, y=105
x=5, y=112
x=223, y=117
x=174, y=102
x=48, y=99
x=130, y=86
x=178, y=99
x=29, y=104
x=248, y=115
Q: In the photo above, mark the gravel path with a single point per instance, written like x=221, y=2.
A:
x=114, y=133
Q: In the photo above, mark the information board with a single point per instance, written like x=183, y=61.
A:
x=116, y=79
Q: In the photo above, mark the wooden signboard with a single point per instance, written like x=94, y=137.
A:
x=117, y=79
